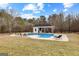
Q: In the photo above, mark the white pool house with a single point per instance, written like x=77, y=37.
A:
x=43, y=29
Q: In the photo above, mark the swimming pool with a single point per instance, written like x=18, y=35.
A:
x=45, y=36
x=41, y=35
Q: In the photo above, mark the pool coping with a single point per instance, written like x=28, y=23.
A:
x=63, y=38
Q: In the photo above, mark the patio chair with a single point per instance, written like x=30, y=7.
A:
x=59, y=36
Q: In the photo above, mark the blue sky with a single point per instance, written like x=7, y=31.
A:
x=30, y=10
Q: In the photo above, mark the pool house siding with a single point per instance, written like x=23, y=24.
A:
x=43, y=29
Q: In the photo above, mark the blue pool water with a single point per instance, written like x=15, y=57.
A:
x=43, y=35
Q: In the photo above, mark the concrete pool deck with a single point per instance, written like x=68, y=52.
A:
x=63, y=38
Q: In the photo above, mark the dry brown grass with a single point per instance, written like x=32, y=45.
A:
x=24, y=46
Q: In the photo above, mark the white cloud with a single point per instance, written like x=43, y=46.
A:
x=36, y=8
x=4, y=6
x=54, y=10
x=65, y=10
x=47, y=16
x=29, y=7
x=37, y=11
x=28, y=16
x=68, y=5
x=40, y=6
x=9, y=7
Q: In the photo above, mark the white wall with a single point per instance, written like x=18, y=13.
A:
x=35, y=29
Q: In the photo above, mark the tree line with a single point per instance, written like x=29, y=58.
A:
x=62, y=22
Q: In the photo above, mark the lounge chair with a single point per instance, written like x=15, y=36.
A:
x=59, y=36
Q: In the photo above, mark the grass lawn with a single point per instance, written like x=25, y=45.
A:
x=15, y=46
